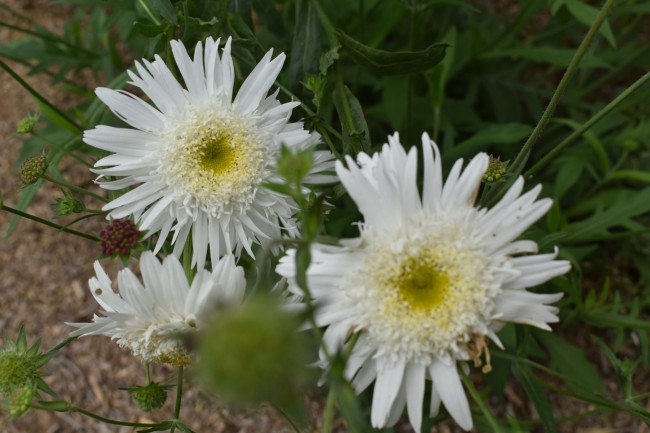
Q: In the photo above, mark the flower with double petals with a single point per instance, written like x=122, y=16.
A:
x=198, y=157
x=429, y=281
x=150, y=318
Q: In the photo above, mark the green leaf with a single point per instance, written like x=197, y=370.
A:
x=616, y=213
x=166, y=10
x=356, y=136
x=306, y=47
x=553, y=56
x=572, y=362
x=635, y=176
x=393, y=63
x=536, y=393
x=587, y=14
x=150, y=30
x=492, y=135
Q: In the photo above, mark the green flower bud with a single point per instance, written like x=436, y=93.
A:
x=27, y=124
x=67, y=205
x=253, y=354
x=33, y=169
x=20, y=365
x=496, y=170
x=21, y=400
x=16, y=369
x=149, y=397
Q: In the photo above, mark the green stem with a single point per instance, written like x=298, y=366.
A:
x=578, y=132
x=61, y=345
x=47, y=223
x=48, y=37
x=111, y=421
x=494, y=426
x=74, y=188
x=179, y=397
x=328, y=416
x=147, y=370
x=517, y=166
x=38, y=96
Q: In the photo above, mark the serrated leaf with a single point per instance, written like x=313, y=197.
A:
x=572, y=362
x=617, y=213
x=393, y=63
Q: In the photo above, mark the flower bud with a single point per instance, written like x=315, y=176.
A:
x=496, y=170
x=119, y=238
x=21, y=400
x=67, y=205
x=149, y=397
x=33, y=169
x=27, y=124
x=253, y=353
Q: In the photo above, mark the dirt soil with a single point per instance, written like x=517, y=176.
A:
x=43, y=284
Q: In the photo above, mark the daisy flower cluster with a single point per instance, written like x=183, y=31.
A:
x=426, y=286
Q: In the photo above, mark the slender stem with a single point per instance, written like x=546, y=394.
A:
x=517, y=166
x=179, y=397
x=47, y=223
x=147, y=370
x=328, y=415
x=74, y=188
x=38, y=96
x=578, y=132
x=479, y=401
x=62, y=344
x=48, y=37
x=109, y=420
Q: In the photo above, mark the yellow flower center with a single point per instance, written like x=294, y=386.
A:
x=421, y=285
x=214, y=159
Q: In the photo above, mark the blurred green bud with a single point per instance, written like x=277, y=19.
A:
x=67, y=205
x=21, y=400
x=496, y=170
x=33, y=169
x=294, y=166
x=630, y=145
x=149, y=397
x=253, y=354
x=27, y=124
x=19, y=364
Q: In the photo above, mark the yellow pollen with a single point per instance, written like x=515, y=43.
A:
x=422, y=285
x=218, y=155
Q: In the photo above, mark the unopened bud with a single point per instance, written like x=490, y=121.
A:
x=67, y=205
x=119, y=237
x=496, y=170
x=21, y=400
x=253, y=353
x=33, y=169
x=149, y=397
x=27, y=124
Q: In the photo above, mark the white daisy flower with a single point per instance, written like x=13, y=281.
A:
x=199, y=156
x=430, y=279
x=149, y=318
